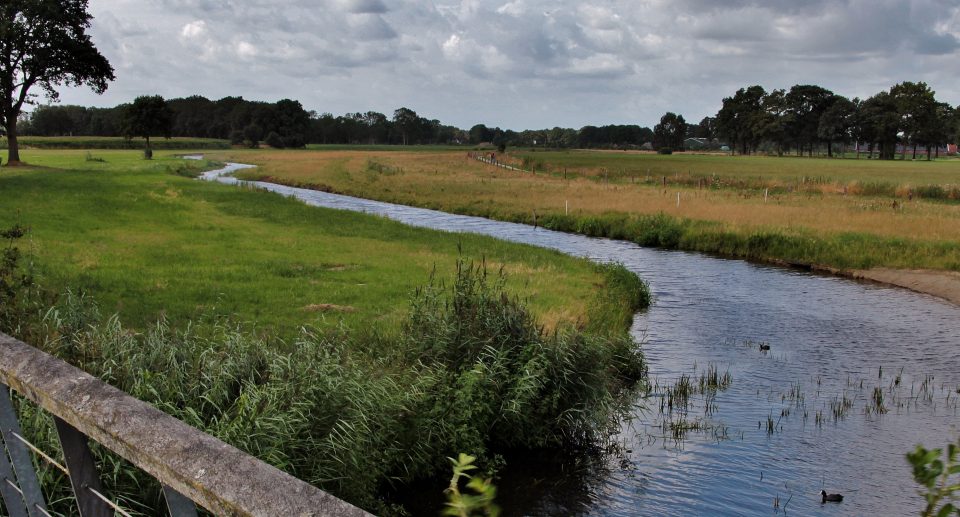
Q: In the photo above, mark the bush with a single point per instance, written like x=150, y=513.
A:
x=665, y=150
x=14, y=282
x=273, y=140
x=236, y=137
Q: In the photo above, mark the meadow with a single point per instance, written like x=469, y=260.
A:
x=848, y=214
x=351, y=351
x=145, y=241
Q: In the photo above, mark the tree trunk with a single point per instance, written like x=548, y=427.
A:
x=13, y=146
x=914, y=151
x=928, y=153
x=829, y=149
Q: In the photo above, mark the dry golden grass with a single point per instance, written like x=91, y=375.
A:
x=451, y=181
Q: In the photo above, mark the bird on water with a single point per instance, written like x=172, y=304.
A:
x=830, y=498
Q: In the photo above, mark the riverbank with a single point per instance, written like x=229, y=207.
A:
x=829, y=233
x=147, y=240
x=942, y=284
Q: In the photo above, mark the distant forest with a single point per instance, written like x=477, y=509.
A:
x=804, y=119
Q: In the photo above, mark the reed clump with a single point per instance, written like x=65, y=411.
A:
x=354, y=412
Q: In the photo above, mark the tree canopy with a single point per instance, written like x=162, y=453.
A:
x=148, y=116
x=44, y=43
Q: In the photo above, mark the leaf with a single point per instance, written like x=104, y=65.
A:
x=946, y=510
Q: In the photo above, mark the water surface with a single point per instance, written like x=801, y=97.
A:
x=830, y=340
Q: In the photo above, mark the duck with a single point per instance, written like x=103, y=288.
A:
x=764, y=347
x=831, y=498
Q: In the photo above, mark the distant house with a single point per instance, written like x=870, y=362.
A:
x=696, y=144
x=951, y=148
x=647, y=146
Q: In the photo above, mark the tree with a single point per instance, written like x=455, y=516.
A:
x=406, y=121
x=878, y=122
x=737, y=119
x=916, y=105
x=805, y=105
x=835, y=123
x=670, y=132
x=148, y=116
x=44, y=43
x=252, y=135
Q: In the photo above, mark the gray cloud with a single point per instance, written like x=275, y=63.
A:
x=521, y=63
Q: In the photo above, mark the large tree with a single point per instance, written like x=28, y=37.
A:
x=148, y=116
x=738, y=119
x=44, y=43
x=670, y=132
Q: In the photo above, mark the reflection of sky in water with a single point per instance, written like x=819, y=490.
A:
x=820, y=328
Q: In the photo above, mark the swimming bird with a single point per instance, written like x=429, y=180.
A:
x=832, y=498
x=764, y=347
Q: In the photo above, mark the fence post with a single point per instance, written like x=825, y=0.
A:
x=83, y=471
x=24, y=475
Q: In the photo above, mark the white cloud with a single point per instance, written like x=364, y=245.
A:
x=194, y=30
x=546, y=62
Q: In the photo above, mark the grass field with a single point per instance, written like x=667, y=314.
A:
x=769, y=170
x=145, y=241
x=729, y=215
x=419, y=348
x=111, y=142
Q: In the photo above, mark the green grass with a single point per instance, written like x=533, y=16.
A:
x=386, y=147
x=758, y=168
x=112, y=142
x=147, y=242
x=441, y=355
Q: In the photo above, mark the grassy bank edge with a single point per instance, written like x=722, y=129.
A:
x=840, y=254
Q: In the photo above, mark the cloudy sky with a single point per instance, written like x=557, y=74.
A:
x=521, y=64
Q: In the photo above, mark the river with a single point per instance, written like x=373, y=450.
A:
x=801, y=417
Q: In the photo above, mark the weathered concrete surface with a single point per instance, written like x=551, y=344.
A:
x=215, y=475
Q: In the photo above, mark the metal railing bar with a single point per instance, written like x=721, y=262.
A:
x=41, y=453
x=23, y=471
x=109, y=503
x=178, y=505
x=9, y=491
x=82, y=468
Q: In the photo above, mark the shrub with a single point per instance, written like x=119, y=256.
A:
x=13, y=280
x=274, y=140
x=665, y=150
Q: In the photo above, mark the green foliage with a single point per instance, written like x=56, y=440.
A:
x=939, y=479
x=481, y=502
x=353, y=412
x=93, y=142
x=274, y=140
x=147, y=116
x=13, y=280
x=45, y=44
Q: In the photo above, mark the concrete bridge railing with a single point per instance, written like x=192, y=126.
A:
x=193, y=467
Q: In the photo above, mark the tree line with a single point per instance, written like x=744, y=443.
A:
x=807, y=118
